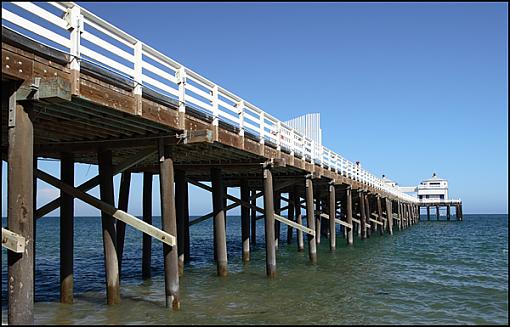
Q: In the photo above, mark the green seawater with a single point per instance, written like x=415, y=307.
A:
x=431, y=273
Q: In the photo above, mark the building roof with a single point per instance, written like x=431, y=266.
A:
x=434, y=178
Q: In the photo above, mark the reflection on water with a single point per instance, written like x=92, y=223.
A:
x=433, y=273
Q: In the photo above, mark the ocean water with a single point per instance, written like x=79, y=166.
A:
x=431, y=273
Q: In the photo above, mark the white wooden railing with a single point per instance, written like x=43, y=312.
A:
x=74, y=30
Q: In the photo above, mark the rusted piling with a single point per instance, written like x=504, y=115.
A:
x=66, y=230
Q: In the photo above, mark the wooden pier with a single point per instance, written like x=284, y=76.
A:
x=59, y=105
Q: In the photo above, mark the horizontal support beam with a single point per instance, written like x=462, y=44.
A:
x=12, y=241
x=109, y=209
x=356, y=221
x=295, y=225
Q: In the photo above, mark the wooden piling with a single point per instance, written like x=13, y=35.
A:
x=367, y=215
x=318, y=211
x=332, y=217
x=125, y=182
x=169, y=225
x=104, y=158
x=269, y=223
x=379, y=215
x=245, y=220
x=348, y=213
x=147, y=217
x=219, y=221
x=180, y=211
x=437, y=213
x=389, y=213
x=362, y=218
x=186, y=223
x=290, y=216
x=447, y=212
x=277, y=205
x=310, y=220
x=66, y=230
x=299, y=219
x=20, y=212
x=428, y=213
x=253, y=218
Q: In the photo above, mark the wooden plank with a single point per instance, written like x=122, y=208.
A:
x=111, y=210
x=338, y=221
x=13, y=241
x=376, y=221
x=295, y=225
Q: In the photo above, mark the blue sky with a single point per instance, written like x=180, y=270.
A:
x=407, y=89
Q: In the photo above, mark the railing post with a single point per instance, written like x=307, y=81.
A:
x=292, y=142
x=240, y=106
x=278, y=135
x=214, y=104
x=74, y=20
x=180, y=76
x=137, y=91
x=261, y=127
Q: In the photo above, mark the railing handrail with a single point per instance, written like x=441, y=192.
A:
x=189, y=87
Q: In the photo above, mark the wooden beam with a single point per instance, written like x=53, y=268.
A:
x=338, y=221
x=116, y=213
x=13, y=241
x=295, y=225
x=376, y=221
x=93, y=182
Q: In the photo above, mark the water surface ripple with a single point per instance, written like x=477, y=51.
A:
x=433, y=273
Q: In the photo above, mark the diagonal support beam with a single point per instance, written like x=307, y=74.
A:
x=107, y=208
x=211, y=214
x=294, y=224
x=338, y=221
x=230, y=197
x=93, y=182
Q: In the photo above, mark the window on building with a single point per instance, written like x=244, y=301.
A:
x=441, y=196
